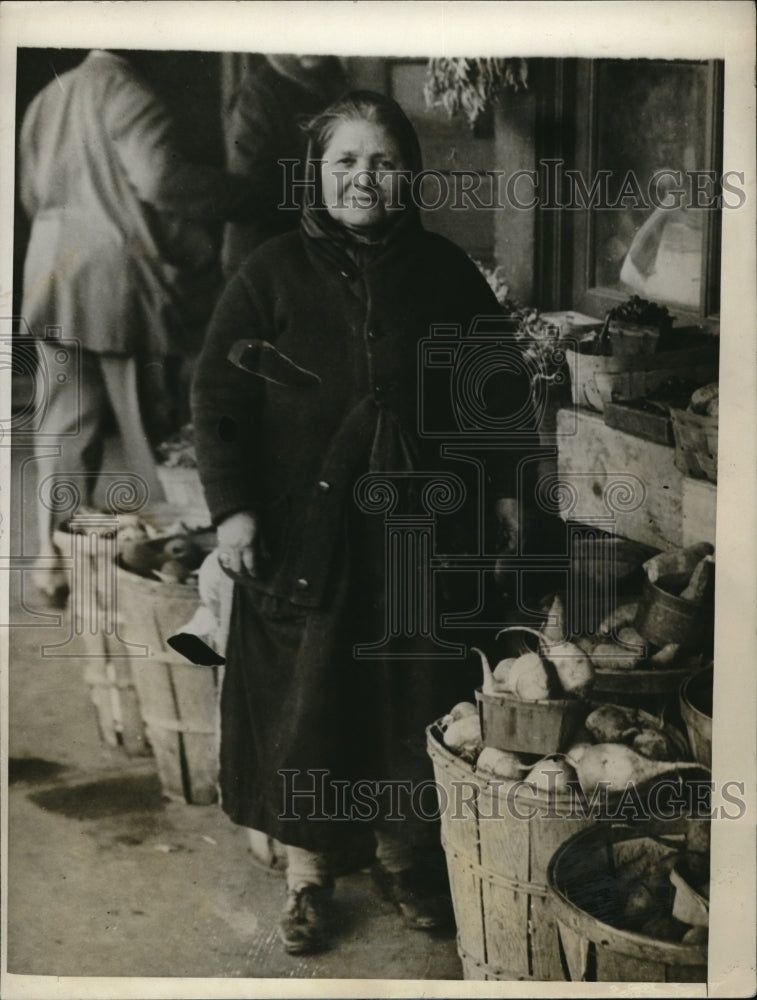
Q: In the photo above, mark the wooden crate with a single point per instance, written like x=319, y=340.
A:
x=598, y=379
x=631, y=341
x=580, y=878
x=640, y=422
x=178, y=699
x=624, y=386
x=497, y=864
x=595, y=460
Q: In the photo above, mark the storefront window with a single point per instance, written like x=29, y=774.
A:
x=651, y=138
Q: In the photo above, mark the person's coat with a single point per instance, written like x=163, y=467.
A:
x=118, y=216
x=316, y=370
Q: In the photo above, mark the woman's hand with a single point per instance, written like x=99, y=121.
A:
x=238, y=543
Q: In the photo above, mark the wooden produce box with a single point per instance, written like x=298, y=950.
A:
x=643, y=423
x=620, y=482
x=534, y=727
x=625, y=386
x=598, y=379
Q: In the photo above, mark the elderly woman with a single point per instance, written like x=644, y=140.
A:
x=308, y=382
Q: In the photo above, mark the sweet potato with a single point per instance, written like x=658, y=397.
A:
x=702, y=397
x=612, y=723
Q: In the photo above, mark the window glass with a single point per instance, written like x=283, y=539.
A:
x=651, y=139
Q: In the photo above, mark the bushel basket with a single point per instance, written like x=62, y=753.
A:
x=498, y=838
x=178, y=699
x=586, y=903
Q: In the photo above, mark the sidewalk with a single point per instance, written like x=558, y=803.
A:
x=108, y=878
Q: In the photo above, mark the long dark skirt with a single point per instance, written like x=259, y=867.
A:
x=309, y=729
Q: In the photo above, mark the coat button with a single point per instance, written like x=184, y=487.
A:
x=302, y=583
x=323, y=486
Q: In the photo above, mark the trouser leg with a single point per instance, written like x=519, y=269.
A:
x=307, y=868
x=121, y=379
x=414, y=881
x=394, y=850
x=73, y=410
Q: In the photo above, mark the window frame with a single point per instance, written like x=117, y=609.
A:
x=575, y=140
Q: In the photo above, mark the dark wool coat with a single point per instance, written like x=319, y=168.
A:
x=263, y=126
x=290, y=444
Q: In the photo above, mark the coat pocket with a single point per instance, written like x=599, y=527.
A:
x=258, y=357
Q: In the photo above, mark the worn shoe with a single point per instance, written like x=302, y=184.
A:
x=424, y=905
x=304, y=924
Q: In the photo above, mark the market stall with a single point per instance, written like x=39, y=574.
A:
x=573, y=783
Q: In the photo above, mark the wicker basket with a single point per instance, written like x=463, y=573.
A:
x=583, y=897
x=497, y=863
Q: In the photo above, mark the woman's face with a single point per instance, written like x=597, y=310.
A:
x=361, y=186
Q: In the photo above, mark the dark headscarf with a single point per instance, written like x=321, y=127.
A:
x=335, y=240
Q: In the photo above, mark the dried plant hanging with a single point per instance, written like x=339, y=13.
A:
x=471, y=86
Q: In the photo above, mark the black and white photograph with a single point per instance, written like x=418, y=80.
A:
x=378, y=471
